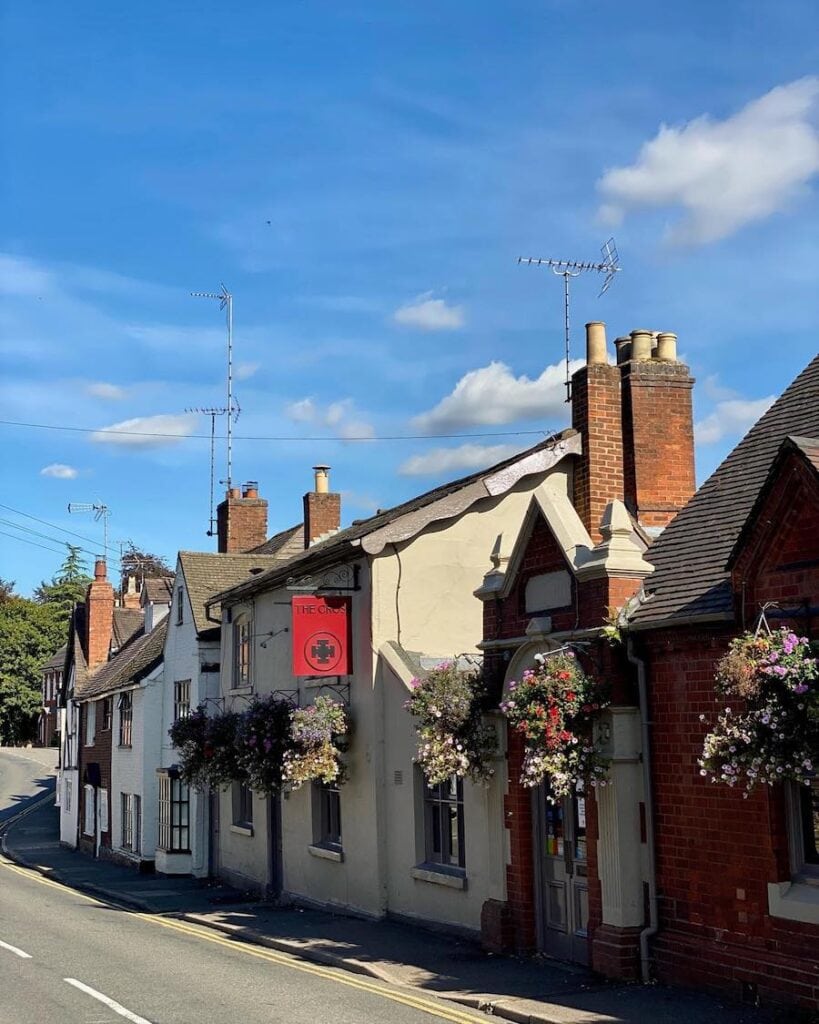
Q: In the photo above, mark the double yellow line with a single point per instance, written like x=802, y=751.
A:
x=436, y=1009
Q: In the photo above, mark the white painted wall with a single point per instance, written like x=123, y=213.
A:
x=68, y=774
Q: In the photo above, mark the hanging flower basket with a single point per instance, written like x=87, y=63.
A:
x=553, y=707
x=772, y=733
x=452, y=736
x=263, y=742
x=316, y=742
x=207, y=748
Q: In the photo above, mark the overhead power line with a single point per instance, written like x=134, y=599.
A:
x=279, y=437
x=53, y=526
x=43, y=536
x=33, y=543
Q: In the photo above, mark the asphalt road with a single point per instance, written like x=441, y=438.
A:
x=26, y=774
x=66, y=958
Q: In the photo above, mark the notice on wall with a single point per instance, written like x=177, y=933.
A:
x=322, y=636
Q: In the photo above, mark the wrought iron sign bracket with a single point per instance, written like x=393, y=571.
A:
x=344, y=579
x=339, y=688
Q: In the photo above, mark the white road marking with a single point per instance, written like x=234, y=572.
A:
x=112, y=1004
x=18, y=952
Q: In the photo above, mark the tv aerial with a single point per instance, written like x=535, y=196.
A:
x=567, y=269
x=101, y=511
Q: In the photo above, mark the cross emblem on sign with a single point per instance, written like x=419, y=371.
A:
x=323, y=652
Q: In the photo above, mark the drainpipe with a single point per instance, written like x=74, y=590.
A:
x=645, y=730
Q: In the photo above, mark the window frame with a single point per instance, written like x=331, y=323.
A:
x=804, y=860
x=181, y=699
x=173, y=814
x=89, y=816
x=126, y=819
x=180, y=606
x=90, y=732
x=107, y=713
x=242, y=807
x=438, y=804
x=125, y=706
x=242, y=666
x=327, y=821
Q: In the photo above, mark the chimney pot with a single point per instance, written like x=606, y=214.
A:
x=595, y=342
x=322, y=479
x=99, y=569
x=623, y=346
x=641, y=345
x=234, y=492
x=250, y=489
x=667, y=346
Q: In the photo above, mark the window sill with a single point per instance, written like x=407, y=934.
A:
x=794, y=901
x=242, y=830
x=326, y=852
x=438, y=875
x=240, y=691
x=125, y=746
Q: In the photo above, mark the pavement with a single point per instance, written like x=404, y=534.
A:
x=523, y=990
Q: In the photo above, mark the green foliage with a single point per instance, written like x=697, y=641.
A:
x=6, y=590
x=207, y=748
x=30, y=633
x=69, y=584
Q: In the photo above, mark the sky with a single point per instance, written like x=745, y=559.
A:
x=362, y=176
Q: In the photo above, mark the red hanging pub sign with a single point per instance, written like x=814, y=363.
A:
x=322, y=636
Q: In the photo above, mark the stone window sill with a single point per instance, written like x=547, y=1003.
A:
x=240, y=691
x=794, y=901
x=242, y=830
x=436, y=874
x=334, y=853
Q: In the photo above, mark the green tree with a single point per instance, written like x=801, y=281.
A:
x=29, y=634
x=69, y=583
x=6, y=590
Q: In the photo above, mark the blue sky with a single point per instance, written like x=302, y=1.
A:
x=362, y=176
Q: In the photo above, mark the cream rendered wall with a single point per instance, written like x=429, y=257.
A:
x=183, y=657
x=133, y=769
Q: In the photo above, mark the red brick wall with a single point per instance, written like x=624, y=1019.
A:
x=520, y=872
x=322, y=514
x=99, y=617
x=716, y=852
x=241, y=523
x=99, y=752
x=658, y=439
x=598, y=475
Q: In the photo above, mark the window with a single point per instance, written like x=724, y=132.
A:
x=136, y=843
x=180, y=606
x=174, y=814
x=444, y=823
x=126, y=718
x=127, y=820
x=242, y=805
x=88, y=811
x=327, y=831
x=107, y=713
x=181, y=699
x=90, y=723
x=805, y=830
x=241, y=654
x=67, y=796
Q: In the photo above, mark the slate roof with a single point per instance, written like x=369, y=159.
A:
x=286, y=544
x=337, y=546
x=56, y=660
x=139, y=658
x=690, y=557
x=206, y=574
x=157, y=589
x=127, y=623
x=809, y=447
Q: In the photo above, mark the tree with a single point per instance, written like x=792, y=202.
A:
x=6, y=590
x=30, y=633
x=69, y=583
x=142, y=564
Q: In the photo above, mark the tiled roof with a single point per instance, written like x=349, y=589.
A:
x=809, y=447
x=157, y=589
x=137, y=659
x=56, y=660
x=208, y=574
x=286, y=544
x=690, y=581
x=127, y=623
x=338, y=544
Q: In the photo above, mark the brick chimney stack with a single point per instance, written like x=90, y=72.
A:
x=598, y=477
x=322, y=509
x=658, y=428
x=99, y=611
x=130, y=593
x=241, y=520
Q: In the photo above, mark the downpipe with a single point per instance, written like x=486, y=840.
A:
x=645, y=730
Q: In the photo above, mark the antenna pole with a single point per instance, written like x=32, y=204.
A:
x=609, y=265
x=228, y=300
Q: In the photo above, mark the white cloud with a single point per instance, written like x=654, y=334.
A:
x=448, y=460
x=110, y=392
x=60, y=471
x=724, y=174
x=731, y=418
x=492, y=395
x=430, y=314
x=339, y=417
x=244, y=371
x=137, y=433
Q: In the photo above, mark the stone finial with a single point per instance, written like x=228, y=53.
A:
x=619, y=553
